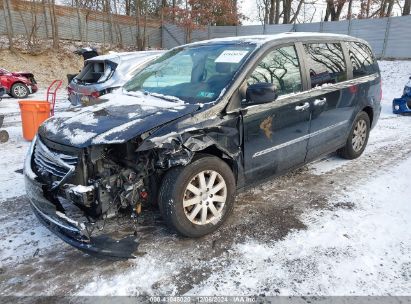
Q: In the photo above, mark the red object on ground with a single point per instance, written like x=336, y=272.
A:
x=51, y=93
x=33, y=113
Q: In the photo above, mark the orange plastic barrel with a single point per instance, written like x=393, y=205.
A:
x=33, y=113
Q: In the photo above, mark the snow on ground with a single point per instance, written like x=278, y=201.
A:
x=366, y=251
x=12, y=153
x=335, y=227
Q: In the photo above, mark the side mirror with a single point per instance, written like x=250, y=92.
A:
x=261, y=93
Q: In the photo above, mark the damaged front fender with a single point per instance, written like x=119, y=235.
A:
x=177, y=143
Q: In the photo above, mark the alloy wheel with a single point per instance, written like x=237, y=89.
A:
x=204, y=197
x=359, y=135
x=20, y=91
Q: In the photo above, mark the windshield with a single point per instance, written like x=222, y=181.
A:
x=196, y=74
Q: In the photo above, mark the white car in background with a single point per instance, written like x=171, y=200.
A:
x=102, y=74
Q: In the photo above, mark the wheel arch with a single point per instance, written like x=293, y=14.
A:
x=17, y=82
x=213, y=150
x=370, y=112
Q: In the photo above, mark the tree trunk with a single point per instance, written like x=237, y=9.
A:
x=119, y=35
x=382, y=8
x=107, y=9
x=53, y=22
x=277, y=12
x=144, y=32
x=334, y=11
x=368, y=9
x=266, y=12
x=297, y=12
x=272, y=12
x=349, y=14
x=327, y=13
x=128, y=7
x=287, y=11
x=80, y=27
x=140, y=40
x=9, y=24
x=174, y=13
x=390, y=7
x=407, y=8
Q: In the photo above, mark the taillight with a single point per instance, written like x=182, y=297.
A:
x=95, y=94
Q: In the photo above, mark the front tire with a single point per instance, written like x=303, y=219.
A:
x=195, y=200
x=358, y=137
x=19, y=90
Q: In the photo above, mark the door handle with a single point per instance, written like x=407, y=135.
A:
x=302, y=107
x=320, y=102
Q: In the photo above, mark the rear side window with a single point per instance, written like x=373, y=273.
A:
x=362, y=59
x=280, y=67
x=96, y=72
x=326, y=63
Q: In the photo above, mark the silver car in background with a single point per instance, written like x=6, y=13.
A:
x=102, y=74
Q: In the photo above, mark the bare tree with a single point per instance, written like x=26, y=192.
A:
x=386, y=8
x=271, y=11
x=53, y=22
x=334, y=9
x=9, y=23
x=407, y=8
x=349, y=14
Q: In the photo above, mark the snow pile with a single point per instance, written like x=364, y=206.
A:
x=102, y=138
x=78, y=136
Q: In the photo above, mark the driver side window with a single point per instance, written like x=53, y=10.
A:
x=281, y=68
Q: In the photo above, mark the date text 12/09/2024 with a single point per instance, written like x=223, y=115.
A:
x=202, y=299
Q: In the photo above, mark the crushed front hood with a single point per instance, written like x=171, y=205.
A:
x=117, y=119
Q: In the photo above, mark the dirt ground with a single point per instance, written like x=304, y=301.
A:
x=46, y=67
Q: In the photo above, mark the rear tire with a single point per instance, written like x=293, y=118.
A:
x=19, y=90
x=358, y=137
x=195, y=200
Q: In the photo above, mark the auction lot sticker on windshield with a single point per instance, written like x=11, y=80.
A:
x=231, y=56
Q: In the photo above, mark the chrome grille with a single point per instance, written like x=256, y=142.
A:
x=52, y=162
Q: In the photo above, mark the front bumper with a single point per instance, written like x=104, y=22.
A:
x=68, y=229
x=401, y=105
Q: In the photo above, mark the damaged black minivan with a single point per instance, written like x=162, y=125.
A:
x=198, y=124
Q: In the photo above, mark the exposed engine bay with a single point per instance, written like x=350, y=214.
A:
x=115, y=182
x=102, y=183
